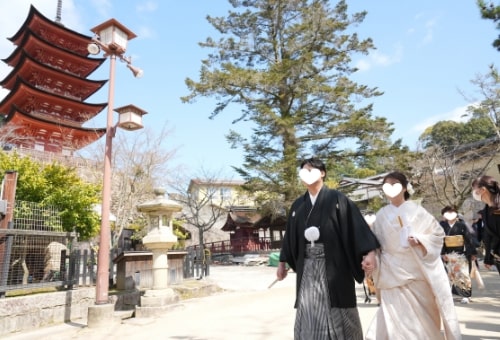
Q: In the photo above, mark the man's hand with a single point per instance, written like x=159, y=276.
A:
x=281, y=272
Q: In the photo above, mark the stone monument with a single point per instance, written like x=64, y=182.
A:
x=159, y=239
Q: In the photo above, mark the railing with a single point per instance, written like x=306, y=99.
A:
x=241, y=246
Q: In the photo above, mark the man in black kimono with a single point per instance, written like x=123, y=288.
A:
x=325, y=242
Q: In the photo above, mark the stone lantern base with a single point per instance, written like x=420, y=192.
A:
x=156, y=301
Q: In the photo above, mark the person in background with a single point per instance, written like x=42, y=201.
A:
x=415, y=296
x=325, y=241
x=486, y=189
x=478, y=227
x=458, y=253
x=368, y=285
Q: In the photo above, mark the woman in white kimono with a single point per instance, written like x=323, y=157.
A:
x=414, y=289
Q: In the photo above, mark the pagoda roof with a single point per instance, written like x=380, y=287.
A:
x=51, y=54
x=48, y=104
x=53, y=32
x=44, y=76
x=37, y=128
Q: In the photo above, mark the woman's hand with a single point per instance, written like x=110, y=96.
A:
x=369, y=264
x=414, y=242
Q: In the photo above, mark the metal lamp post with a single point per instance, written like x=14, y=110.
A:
x=111, y=37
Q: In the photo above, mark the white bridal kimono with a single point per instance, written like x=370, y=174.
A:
x=414, y=289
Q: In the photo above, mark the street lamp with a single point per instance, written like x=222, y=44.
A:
x=111, y=37
x=130, y=117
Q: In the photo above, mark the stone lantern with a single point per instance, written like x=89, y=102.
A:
x=158, y=240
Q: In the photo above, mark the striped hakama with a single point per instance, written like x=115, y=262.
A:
x=316, y=319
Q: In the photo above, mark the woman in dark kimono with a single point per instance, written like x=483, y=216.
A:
x=487, y=190
x=458, y=253
x=326, y=240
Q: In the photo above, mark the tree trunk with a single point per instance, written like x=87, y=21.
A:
x=202, y=253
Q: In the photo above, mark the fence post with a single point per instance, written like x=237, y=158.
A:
x=63, y=275
x=8, y=191
x=207, y=259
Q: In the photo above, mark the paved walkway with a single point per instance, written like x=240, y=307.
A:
x=249, y=310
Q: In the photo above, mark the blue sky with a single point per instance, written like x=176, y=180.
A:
x=427, y=53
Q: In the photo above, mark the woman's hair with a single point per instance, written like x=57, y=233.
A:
x=491, y=185
x=401, y=178
x=315, y=163
x=448, y=209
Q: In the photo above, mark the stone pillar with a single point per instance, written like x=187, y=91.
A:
x=160, y=268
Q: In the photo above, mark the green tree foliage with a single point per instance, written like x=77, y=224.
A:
x=449, y=134
x=484, y=118
x=58, y=186
x=140, y=230
x=287, y=64
x=491, y=12
x=181, y=233
x=455, y=153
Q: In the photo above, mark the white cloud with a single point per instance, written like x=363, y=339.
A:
x=377, y=59
x=423, y=32
x=429, y=31
x=148, y=6
x=103, y=7
x=458, y=114
x=145, y=32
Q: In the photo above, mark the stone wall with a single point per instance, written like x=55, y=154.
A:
x=39, y=310
x=29, y=312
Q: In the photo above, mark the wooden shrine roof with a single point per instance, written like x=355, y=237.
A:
x=50, y=54
x=269, y=221
x=50, y=105
x=252, y=220
x=52, y=79
x=52, y=32
x=241, y=219
x=39, y=128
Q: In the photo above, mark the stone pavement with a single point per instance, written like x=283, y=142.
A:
x=248, y=309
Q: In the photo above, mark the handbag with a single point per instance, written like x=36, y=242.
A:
x=454, y=241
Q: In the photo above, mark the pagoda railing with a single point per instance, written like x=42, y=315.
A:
x=50, y=157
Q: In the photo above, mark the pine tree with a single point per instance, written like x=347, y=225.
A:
x=287, y=64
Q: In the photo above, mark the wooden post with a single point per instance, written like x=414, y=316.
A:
x=9, y=185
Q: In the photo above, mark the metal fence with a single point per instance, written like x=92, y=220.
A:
x=33, y=249
x=36, y=254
